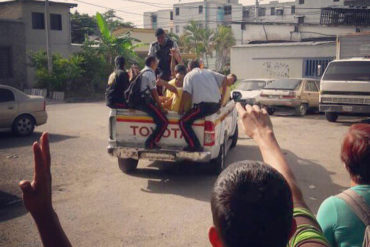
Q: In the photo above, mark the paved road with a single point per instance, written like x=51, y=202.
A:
x=162, y=204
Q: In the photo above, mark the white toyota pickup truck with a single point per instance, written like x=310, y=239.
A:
x=128, y=130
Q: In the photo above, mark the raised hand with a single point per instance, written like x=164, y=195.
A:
x=37, y=194
x=256, y=121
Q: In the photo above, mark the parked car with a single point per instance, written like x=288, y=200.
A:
x=248, y=90
x=298, y=95
x=20, y=112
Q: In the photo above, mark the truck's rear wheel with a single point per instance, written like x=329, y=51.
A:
x=331, y=116
x=127, y=165
x=219, y=164
x=301, y=110
x=235, y=137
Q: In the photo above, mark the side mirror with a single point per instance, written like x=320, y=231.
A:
x=319, y=70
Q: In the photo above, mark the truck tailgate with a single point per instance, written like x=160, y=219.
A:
x=133, y=128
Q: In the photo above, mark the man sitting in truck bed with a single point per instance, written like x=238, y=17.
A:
x=202, y=87
x=150, y=102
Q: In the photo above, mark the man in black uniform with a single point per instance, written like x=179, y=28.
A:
x=161, y=49
x=118, y=82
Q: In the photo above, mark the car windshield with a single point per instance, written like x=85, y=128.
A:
x=284, y=84
x=348, y=71
x=251, y=85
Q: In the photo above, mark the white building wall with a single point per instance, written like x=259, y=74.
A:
x=283, y=60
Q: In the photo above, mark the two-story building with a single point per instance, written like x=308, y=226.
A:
x=22, y=30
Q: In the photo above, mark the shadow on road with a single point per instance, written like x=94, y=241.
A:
x=348, y=121
x=194, y=180
x=10, y=206
x=9, y=140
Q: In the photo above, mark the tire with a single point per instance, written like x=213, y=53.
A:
x=219, y=164
x=331, y=116
x=270, y=111
x=127, y=165
x=23, y=125
x=235, y=137
x=301, y=110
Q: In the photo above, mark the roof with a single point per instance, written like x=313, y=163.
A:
x=123, y=30
x=11, y=21
x=311, y=43
x=359, y=59
x=70, y=5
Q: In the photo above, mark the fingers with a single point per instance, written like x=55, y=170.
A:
x=44, y=141
x=241, y=110
x=39, y=162
x=26, y=187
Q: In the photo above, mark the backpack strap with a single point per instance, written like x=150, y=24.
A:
x=357, y=204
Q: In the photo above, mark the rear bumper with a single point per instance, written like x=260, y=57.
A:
x=41, y=117
x=158, y=155
x=363, y=109
x=280, y=102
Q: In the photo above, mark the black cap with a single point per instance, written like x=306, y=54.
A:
x=159, y=32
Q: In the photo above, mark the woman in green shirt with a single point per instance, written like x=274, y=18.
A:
x=340, y=224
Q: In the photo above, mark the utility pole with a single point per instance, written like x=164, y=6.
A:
x=47, y=34
x=256, y=10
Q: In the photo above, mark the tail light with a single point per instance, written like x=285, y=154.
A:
x=291, y=95
x=44, y=105
x=209, y=133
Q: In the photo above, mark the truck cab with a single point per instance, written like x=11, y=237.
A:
x=345, y=88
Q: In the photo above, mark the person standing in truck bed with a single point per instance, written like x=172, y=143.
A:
x=161, y=49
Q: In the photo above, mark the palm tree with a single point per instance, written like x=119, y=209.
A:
x=111, y=46
x=223, y=41
x=207, y=47
x=193, y=36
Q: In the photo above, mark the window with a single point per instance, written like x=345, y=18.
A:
x=272, y=10
x=300, y=19
x=261, y=11
x=171, y=30
x=301, y=2
x=227, y=10
x=154, y=21
x=177, y=29
x=292, y=10
x=200, y=9
x=55, y=22
x=5, y=63
x=311, y=86
x=280, y=11
x=336, y=0
x=245, y=13
x=171, y=15
x=310, y=66
x=348, y=71
x=38, y=21
x=6, y=95
x=177, y=10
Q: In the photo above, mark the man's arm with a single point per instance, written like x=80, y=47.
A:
x=223, y=91
x=156, y=99
x=37, y=197
x=186, y=97
x=151, y=50
x=167, y=86
x=257, y=125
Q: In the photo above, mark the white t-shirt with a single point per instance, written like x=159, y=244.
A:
x=148, y=80
x=204, y=85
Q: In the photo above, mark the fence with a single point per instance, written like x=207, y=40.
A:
x=44, y=93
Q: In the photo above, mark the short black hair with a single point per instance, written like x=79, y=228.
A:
x=159, y=32
x=194, y=64
x=252, y=206
x=180, y=68
x=234, y=76
x=149, y=60
x=119, y=62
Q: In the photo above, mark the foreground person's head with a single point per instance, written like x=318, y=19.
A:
x=251, y=206
x=356, y=153
x=152, y=62
x=119, y=62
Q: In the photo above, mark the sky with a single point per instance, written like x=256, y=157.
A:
x=132, y=10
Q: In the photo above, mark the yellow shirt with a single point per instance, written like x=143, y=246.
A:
x=176, y=100
x=227, y=96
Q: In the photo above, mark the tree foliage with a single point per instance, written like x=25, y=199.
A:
x=84, y=25
x=85, y=73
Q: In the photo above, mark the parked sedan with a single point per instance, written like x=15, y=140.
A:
x=20, y=112
x=298, y=95
x=248, y=90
